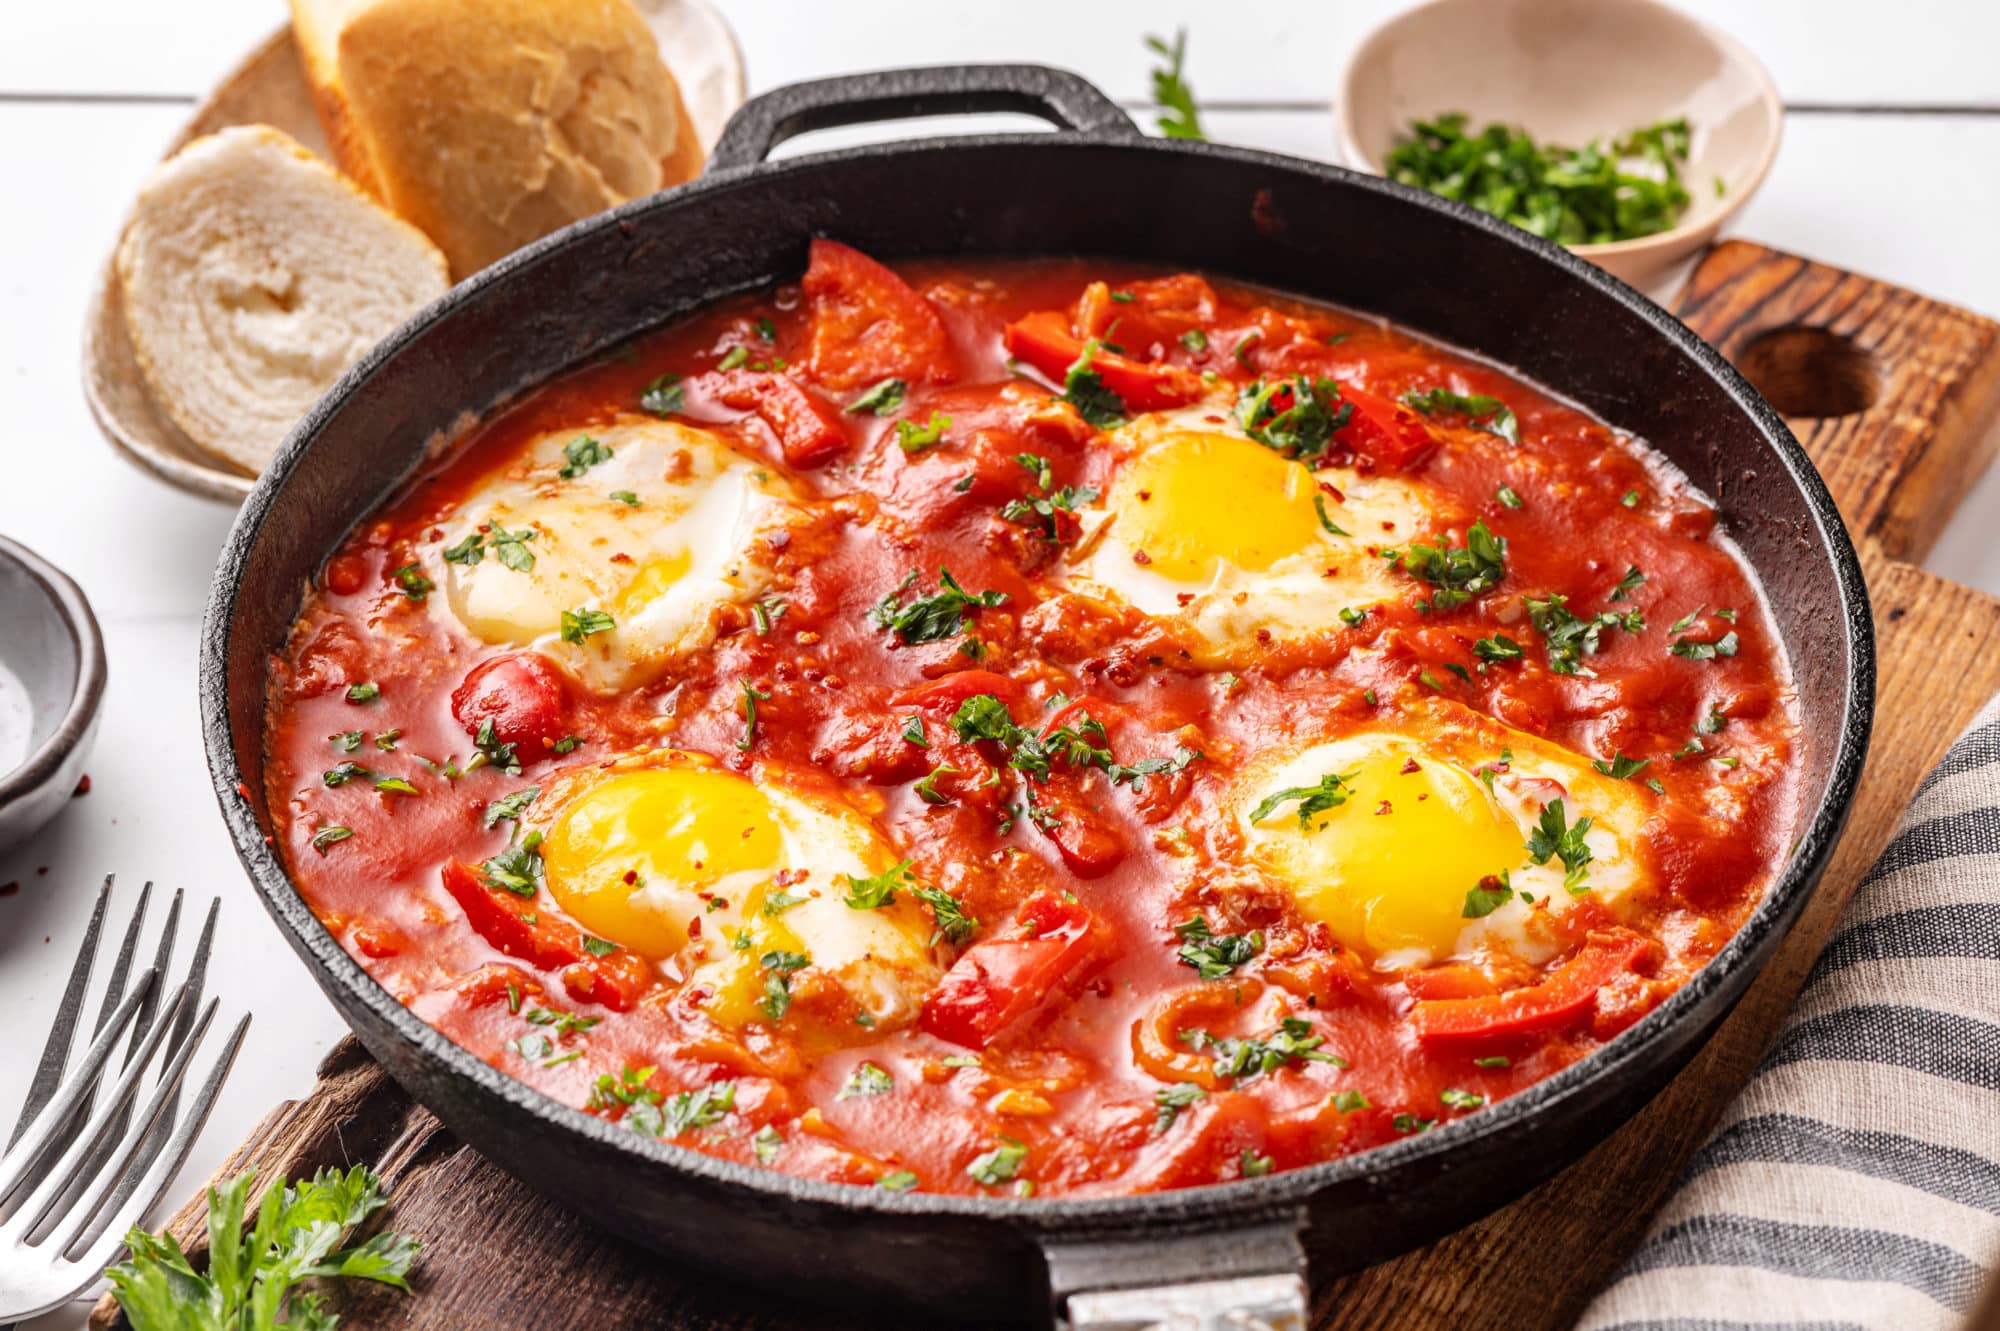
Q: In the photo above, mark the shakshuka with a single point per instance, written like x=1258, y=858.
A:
x=1040, y=728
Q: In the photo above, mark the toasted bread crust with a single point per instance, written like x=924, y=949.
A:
x=489, y=123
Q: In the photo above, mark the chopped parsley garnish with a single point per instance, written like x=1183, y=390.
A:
x=1620, y=768
x=1404, y=1122
x=871, y=893
x=1493, y=1061
x=1568, y=639
x=347, y=741
x=1254, y=1165
x=767, y=1144
x=1499, y=647
x=493, y=753
x=734, y=357
x=1179, y=118
x=363, y=692
x=1458, y=573
x=1292, y=1042
x=1491, y=893
x=1454, y=1098
x=683, y=1113
x=1349, y=1100
x=927, y=787
x=765, y=613
x=897, y=1180
x=394, y=785
x=1214, y=956
x=953, y=924
x=1508, y=499
x=626, y=497
x=866, y=1080
x=1705, y=651
x=664, y=396
x=1711, y=724
x=914, y=732
x=580, y=455
x=1039, y=511
x=510, y=806
x=1083, y=388
x=1573, y=196
x=1195, y=340
x=1352, y=617
x=410, y=577
x=1630, y=499
x=778, y=967
x=752, y=695
x=766, y=330
x=598, y=947
x=777, y=903
x=933, y=617
x=882, y=398
x=1328, y=524
x=386, y=740
x=567, y=744
x=1172, y=1099
x=1296, y=417
x=1488, y=413
x=1554, y=836
x=1627, y=584
x=517, y=869
x=509, y=547
x=999, y=1164
x=1331, y=792
x=914, y=438
x=581, y=623
x=329, y=836
x=343, y=773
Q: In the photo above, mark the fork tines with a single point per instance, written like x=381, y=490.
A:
x=77, y=1174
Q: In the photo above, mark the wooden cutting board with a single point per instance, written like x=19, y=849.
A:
x=1895, y=396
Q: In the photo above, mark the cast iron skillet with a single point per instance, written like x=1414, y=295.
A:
x=1097, y=187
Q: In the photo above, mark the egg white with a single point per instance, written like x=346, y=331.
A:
x=660, y=567
x=1229, y=613
x=714, y=924
x=1425, y=859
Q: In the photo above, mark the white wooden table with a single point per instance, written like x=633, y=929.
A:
x=1887, y=167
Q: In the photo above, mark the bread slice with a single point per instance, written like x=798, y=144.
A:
x=252, y=275
x=490, y=123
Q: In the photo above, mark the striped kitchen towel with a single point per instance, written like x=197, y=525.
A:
x=1854, y=1185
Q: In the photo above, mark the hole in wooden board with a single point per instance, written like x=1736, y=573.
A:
x=1806, y=371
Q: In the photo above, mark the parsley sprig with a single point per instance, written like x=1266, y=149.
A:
x=1488, y=413
x=1179, y=117
x=1459, y=573
x=933, y=617
x=252, y=1278
x=1214, y=956
x=1296, y=416
x=1330, y=792
x=1556, y=837
x=1244, y=1058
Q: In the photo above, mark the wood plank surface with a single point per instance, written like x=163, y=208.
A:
x=498, y=1256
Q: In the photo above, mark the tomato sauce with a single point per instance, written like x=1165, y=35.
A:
x=1068, y=1048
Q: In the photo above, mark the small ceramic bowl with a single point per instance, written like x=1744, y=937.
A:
x=1569, y=71
x=51, y=681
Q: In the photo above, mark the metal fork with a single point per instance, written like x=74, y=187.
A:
x=78, y=1174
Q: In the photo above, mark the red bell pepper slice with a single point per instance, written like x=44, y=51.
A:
x=1388, y=433
x=1043, y=340
x=1000, y=983
x=616, y=979
x=809, y=430
x=950, y=691
x=1567, y=997
x=868, y=324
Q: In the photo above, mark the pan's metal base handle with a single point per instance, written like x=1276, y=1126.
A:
x=1253, y=1303
x=1236, y=1277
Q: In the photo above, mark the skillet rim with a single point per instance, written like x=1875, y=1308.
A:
x=1208, y=1205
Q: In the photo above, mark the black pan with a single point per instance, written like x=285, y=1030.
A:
x=1095, y=187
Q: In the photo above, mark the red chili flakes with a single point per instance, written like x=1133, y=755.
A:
x=621, y=558
x=694, y=927
x=1141, y=557
x=1184, y=598
x=1383, y=808
x=1144, y=495
x=1332, y=493
x=82, y=787
x=1263, y=635
x=1388, y=526
x=1409, y=766
x=631, y=877
x=9, y=889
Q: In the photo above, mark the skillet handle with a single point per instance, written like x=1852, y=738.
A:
x=1247, y=1278
x=1067, y=101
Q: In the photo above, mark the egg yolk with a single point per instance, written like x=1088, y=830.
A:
x=652, y=582
x=1388, y=870
x=634, y=859
x=1197, y=500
